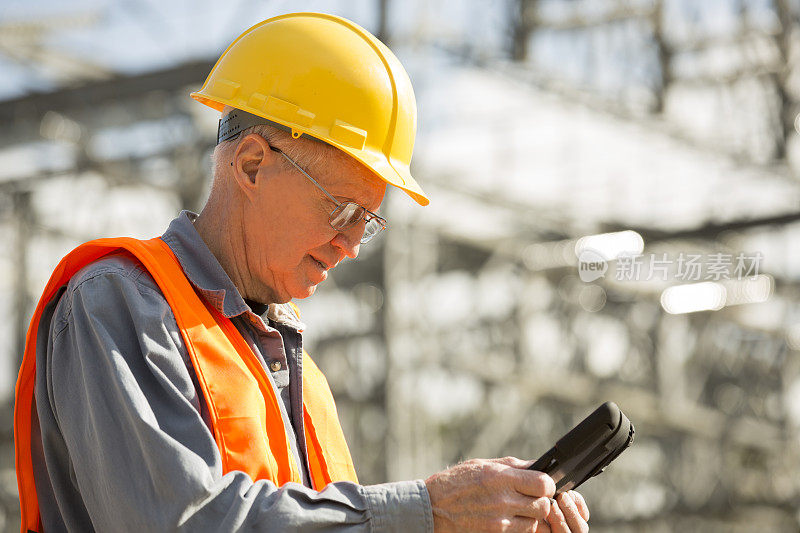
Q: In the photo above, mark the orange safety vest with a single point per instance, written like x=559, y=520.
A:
x=245, y=417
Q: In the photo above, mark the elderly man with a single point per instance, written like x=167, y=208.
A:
x=165, y=386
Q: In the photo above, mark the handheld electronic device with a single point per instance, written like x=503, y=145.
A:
x=588, y=448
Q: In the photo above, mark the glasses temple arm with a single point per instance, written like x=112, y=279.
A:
x=295, y=165
x=320, y=187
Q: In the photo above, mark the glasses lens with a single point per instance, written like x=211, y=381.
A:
x=345, y=215
x=372, y=228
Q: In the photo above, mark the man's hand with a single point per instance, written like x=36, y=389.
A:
x=492, y=495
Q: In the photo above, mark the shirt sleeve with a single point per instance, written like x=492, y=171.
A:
x=140, y=454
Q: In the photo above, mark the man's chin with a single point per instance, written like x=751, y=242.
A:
x=303, y=292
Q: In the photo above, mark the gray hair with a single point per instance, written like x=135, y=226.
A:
x=311, y=153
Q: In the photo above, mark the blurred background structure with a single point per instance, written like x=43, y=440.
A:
x=645, y=132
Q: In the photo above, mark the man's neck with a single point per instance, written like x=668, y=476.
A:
x=226, y=246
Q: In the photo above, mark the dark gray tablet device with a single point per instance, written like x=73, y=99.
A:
x=588, y=448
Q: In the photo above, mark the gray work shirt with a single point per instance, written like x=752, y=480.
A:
x=125, y=439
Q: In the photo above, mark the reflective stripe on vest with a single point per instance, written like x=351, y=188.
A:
x=244, y=412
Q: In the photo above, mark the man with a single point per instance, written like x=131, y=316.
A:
x=164, y=385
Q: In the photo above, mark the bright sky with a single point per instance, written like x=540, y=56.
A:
x=138, y=35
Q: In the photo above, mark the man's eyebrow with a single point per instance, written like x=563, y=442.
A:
x=344, y=198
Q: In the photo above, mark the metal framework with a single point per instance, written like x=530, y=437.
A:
x=716, y=450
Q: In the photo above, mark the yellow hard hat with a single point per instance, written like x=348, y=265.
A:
x=326, y=77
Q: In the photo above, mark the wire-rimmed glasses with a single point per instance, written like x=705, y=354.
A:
x=346, y=213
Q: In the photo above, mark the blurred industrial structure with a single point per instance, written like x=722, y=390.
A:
x=652, y=128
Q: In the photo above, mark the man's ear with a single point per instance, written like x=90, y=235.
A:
x=251, y=154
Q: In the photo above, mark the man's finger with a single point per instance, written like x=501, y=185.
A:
x=574, y=519
x=525, y=506
x=558, y=524
x=512, y=461
x=583, y=509
x=533, y=483
x=543, y=527
x=519, y=524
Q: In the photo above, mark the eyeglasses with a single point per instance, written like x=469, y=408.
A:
x=346, y=213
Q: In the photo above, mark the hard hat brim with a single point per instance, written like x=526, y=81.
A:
x=397, y=175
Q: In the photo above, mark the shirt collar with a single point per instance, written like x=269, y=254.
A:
x=205, y=272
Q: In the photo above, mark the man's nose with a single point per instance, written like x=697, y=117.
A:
x=349, y=241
